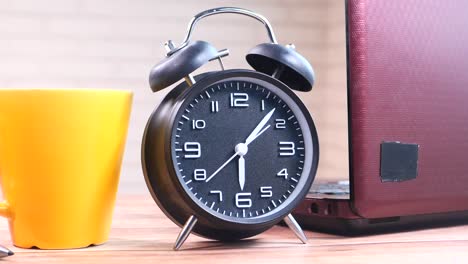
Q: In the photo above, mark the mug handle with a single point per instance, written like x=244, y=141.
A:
x=4, y=209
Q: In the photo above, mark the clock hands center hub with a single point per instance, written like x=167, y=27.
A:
x=241, y=149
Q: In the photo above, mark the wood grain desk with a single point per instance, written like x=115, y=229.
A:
x=142, y=234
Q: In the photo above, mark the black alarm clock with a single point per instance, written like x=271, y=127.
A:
x=230, y=153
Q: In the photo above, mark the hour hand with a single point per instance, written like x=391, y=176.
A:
x=258, y=128
x=241, y=172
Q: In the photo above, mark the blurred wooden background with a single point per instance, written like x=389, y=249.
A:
x=113, y=44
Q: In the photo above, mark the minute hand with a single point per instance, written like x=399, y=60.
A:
x=259, y=127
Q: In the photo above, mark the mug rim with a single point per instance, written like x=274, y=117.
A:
x=40, y=89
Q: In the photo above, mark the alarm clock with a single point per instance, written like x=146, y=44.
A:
x=228, y=154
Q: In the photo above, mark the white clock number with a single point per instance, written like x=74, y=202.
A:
x=219, y=193
x=198, y=124
x=283, y=173
x=280, y=123
x=243, y=200
x=266, y=191
x=239, y=100
x=199, y=174
x=214, y=106
x=194, y=148
x=286, y=148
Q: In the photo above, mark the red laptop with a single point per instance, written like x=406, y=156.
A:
x=408, y=120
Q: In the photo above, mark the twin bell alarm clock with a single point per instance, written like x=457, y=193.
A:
x=230, y=153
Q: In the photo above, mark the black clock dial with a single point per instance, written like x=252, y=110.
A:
x=239, y=148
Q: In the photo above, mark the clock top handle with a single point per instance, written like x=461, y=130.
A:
x=282, y=62
x=224, y=10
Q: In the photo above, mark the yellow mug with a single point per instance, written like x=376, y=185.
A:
x=60, y=158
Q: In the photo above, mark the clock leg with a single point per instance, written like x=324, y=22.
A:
x=185, y=232
x=295, y=227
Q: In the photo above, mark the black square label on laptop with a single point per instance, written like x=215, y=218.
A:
x=398, y=161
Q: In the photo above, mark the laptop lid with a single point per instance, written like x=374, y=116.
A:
x=408, y=106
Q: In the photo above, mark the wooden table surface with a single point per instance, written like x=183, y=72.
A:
x=142, y=234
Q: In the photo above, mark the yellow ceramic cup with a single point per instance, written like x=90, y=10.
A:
x=60, y=158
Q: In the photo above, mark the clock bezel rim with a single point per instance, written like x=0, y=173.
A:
x=292, y=201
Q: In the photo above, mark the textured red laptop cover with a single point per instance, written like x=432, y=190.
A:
x=408, y=82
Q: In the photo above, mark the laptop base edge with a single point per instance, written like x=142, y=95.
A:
x=311, y=216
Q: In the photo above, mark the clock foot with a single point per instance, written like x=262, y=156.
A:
x=185, y=232
x=295, y=227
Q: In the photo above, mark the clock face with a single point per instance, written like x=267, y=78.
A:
x=241, y=149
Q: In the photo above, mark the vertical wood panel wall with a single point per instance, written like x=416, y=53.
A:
x=113, y=44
